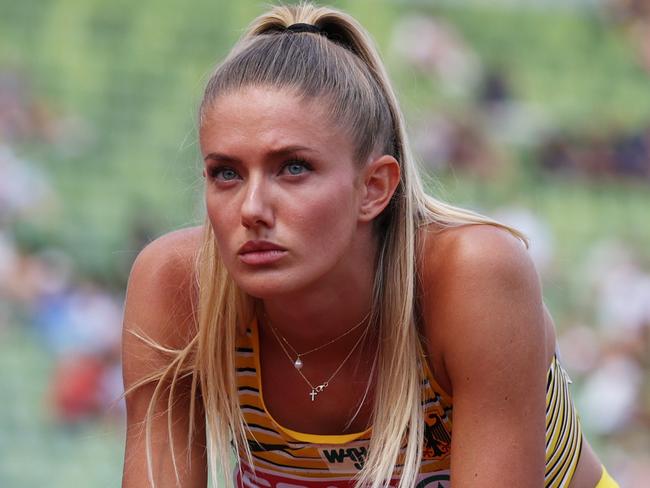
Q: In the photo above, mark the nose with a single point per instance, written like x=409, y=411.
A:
x=256, y=208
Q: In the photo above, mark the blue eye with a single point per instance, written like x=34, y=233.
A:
x=228, y=174
x=296, y=168
x=223, y=174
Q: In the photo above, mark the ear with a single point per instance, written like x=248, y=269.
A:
x=380, y=178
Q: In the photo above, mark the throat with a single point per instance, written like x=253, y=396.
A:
x=331, y=393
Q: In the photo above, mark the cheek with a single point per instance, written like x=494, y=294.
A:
x=326, y=218
x=223, y=219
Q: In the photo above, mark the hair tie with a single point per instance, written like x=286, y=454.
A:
x=301, y=27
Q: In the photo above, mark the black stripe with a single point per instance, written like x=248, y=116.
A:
x=564, y=466
x=248, y=388
x=559, y=471
x=264, y=428
x=550, y=374
x=567, y=451
x=430, y=401
x=246, y=370
x=565, y=426
x=554, y=394
x=257, y=447
x=243, y=349
x=289, y=467
x=566, y=429
x=253, y=407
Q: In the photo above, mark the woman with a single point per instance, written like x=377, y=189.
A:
x=330, y=317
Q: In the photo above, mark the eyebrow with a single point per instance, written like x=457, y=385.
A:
x=275, y=153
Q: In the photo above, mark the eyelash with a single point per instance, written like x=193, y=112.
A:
x=297, y=161
x=215, y=171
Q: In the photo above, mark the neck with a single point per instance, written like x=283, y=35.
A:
x=325, y=311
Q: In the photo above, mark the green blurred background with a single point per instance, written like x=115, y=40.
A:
x=534, y=112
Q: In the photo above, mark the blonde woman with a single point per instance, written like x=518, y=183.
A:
x=331, y=325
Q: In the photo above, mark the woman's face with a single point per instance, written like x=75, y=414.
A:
x=282, y=191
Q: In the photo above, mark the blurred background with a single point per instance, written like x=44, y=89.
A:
x=536, y=112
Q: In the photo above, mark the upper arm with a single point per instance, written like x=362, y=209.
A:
x=489, y=310
x=159, y=306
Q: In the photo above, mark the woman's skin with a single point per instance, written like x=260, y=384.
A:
x=292, y=214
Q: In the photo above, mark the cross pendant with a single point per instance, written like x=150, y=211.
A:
x=315, y=391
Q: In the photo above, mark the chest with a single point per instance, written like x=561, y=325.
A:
x=276, y=398
x=326, y=396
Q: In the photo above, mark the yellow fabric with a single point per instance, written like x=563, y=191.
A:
x=284, y=457
x=606, y=481
x=563, y=432
x=297, y=459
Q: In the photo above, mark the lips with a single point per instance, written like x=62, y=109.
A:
x=260, y=252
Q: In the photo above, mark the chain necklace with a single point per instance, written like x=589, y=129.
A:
x=315, y=390
x=298, y=363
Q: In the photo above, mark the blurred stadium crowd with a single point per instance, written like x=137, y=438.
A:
x=471, y=140
x=75, y=320
x=75, y=316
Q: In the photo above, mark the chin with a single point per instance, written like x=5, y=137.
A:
x=271, y=283
x=266, y=285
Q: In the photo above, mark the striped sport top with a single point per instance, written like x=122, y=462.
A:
x=284, y=458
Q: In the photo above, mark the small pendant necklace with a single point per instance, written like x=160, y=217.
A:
x=297, y=362
x=315, y=390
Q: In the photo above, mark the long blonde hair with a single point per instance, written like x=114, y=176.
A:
x=342, y=67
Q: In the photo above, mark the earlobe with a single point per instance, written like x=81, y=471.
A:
x=381, y=177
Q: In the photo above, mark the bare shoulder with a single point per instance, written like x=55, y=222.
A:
x=160, y=293
x=470, y=254
x=480, y=246
x=170, y=255
x=160, y=308
x=478, y=286
x=484, y=318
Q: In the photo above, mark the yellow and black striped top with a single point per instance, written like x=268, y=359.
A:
x=285, y=458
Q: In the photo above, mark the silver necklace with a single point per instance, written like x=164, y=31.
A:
x=315, y=390
x=298, y=363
